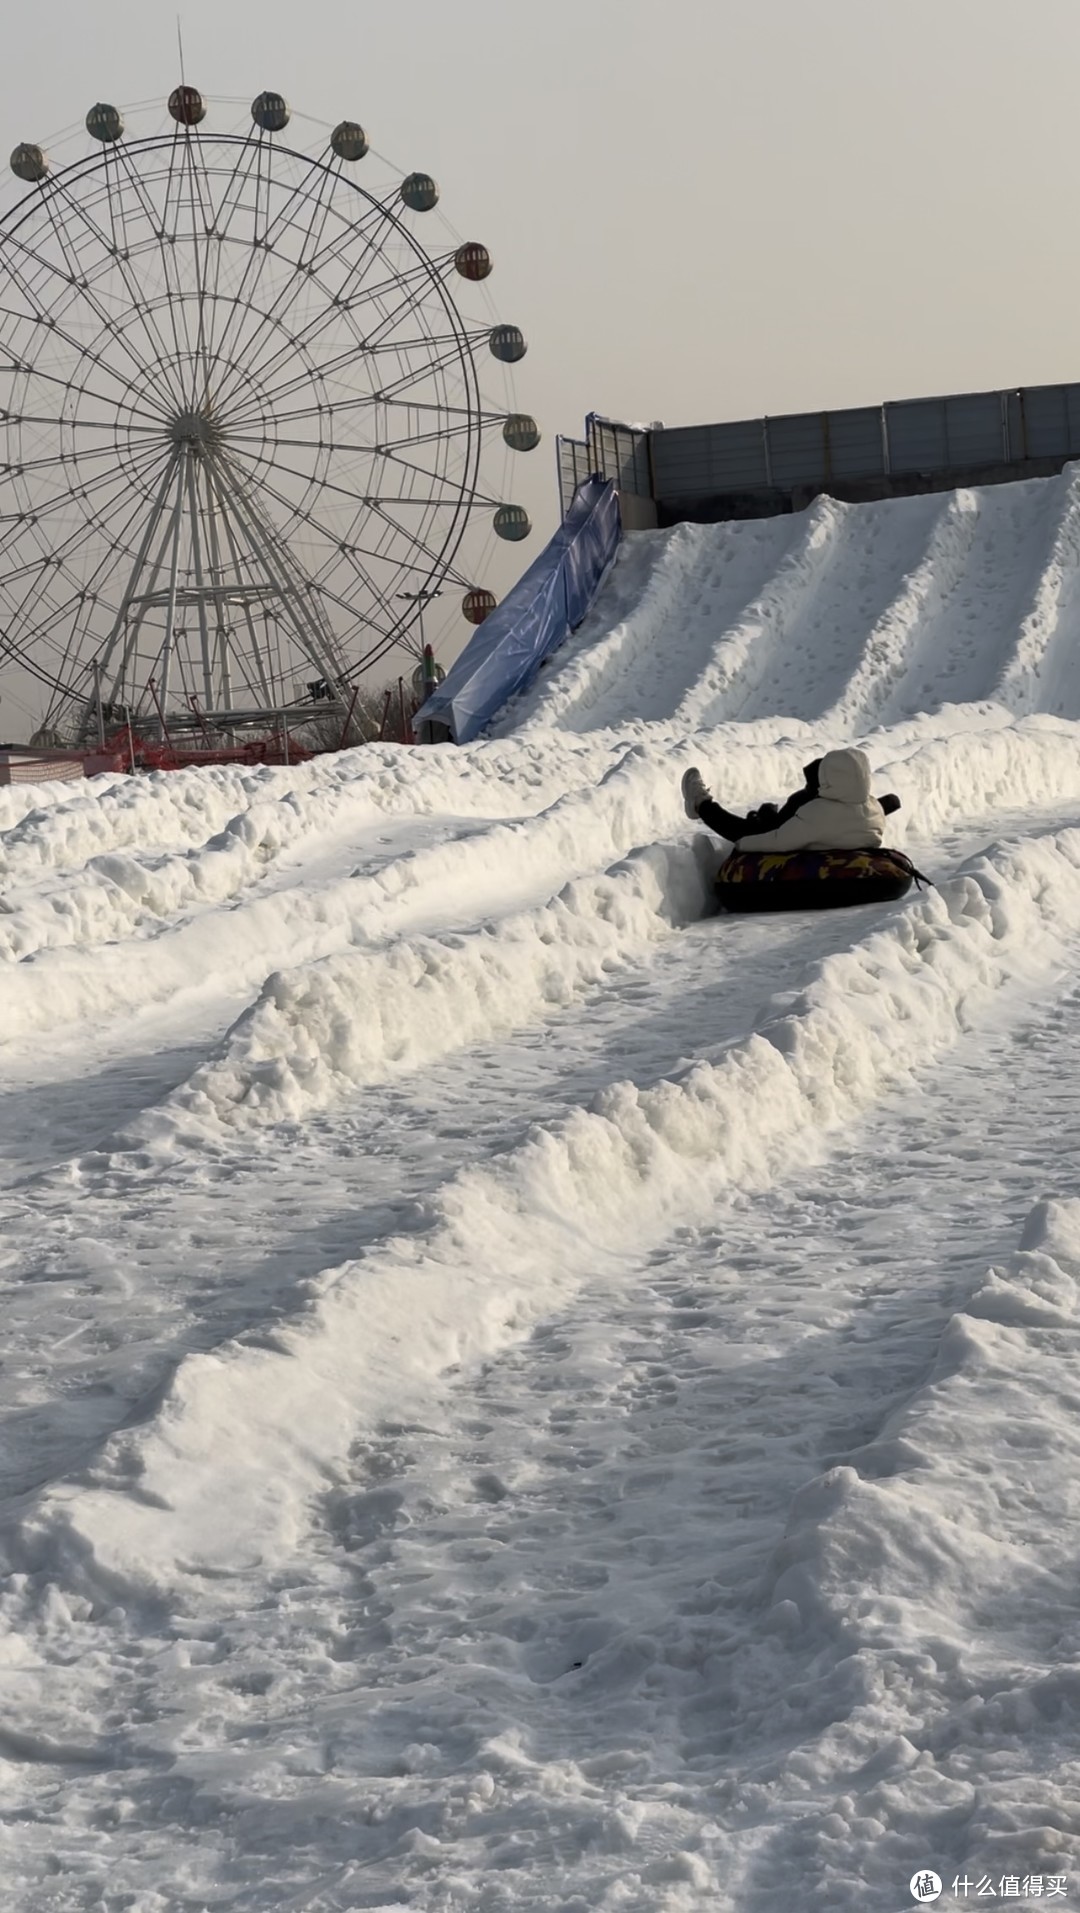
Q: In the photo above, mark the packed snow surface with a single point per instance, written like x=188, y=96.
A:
x=518, y=1392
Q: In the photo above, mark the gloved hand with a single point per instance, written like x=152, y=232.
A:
x=762, y=818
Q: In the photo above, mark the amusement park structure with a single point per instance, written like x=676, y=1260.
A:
x=244, y=440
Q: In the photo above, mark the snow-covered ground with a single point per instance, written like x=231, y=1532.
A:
x=517, y=1393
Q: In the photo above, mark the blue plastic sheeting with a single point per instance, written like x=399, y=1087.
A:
x=545, y=605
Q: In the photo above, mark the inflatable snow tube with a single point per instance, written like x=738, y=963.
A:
x=812, y=879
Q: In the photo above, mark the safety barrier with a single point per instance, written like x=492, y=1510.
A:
x=547, y=603
x=750, y=466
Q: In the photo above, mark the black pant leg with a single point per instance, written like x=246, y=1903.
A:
x=724, y=822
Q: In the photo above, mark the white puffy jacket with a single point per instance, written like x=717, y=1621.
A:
x=843, y=815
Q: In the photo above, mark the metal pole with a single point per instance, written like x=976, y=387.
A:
x=140, y=559
x=217, y=576
x=420, y=599
x=304, y=623
x=430, y=682
x=160, y=712
x=196, y=554
x=348, y=717
x=100, y=712
x=170, y=609
x=406, y=728
x=263, y=686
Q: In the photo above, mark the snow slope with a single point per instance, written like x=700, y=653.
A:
x=518, y=1393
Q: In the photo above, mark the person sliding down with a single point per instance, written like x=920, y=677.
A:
x=835, y=811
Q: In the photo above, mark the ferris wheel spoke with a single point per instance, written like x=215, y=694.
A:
x=267, y=325
x=77, y=425
x=423, y=266
x=347, y=491
x=80, y=622
x=446, y=360
x=39, y=638
x=117, y=219
x=53, y=329
x=82, y=492
x=363, y=229
x=41, y=376
x=23, y=542
x=463, y=427
x=377, y=340
x=415, y=538
x=356, y=290
x=261, y=249
x=201, y=215
x=180, y=175
x=342, y=447
x=57, y=461
x=336, y=310
x=156, y=219
x=352, y=555
x=20, y=609
x=173, y=178
x=366, y=344
x=151, y=366
x=41, y=560
x=57, y=553
x=427, y=368
x=107, y=563
x=320, y=204
x=221, y=217
x=394, y=459
x=465, y=419
x=79, y=283
x=167, y=247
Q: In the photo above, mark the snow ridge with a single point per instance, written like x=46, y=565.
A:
x=896, y=1557
x=507, y=1243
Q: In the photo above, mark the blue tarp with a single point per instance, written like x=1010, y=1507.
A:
x=545, y=605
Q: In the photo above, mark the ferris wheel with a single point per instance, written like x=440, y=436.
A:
x=243, y=435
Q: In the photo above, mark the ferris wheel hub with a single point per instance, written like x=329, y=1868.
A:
x=199, y=430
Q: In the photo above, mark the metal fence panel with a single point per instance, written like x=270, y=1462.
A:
x=572, y=460
x=856, y=447
x=974, y=429
x=1044, y=413
x=1072, y=406
x=621, y=453
x=916, y=435
x=695, y=460
x=959, y=432
x=797, y=448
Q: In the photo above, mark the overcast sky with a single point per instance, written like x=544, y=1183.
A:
x=699, y=209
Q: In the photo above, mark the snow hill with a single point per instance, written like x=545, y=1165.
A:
x=518, y=1393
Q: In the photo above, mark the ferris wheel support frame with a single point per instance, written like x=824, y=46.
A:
x=227, y=497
